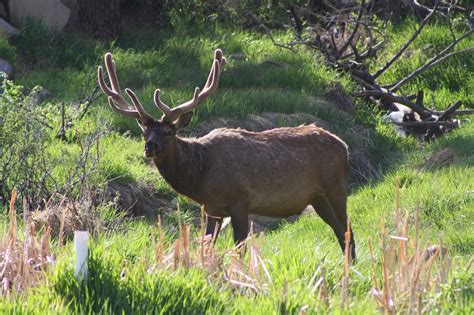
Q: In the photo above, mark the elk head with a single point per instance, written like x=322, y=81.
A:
x=158, y=134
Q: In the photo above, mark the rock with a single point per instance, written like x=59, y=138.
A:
x=442, y=158
x=53, y=13
x=7, y=30
x=6, y=68
x=39, y=94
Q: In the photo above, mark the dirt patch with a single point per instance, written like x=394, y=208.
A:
x=442, y=158
x=66, y=217
x=136, y=198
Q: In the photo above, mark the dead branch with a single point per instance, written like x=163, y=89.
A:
x=352, y=52
x=268, y=32
x=460, y=112
x=450, y=111
x=354, y=31
x=438, y=58
x=406, y=44
x=420, y=110
x=426, y=124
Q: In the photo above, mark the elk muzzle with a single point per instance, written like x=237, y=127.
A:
x=151, y=149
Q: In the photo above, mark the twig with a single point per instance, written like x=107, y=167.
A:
x=354, y=31
x=269, y=32
x=449, y=112
x=407, y=43
x=440, y=57
x=461, y=112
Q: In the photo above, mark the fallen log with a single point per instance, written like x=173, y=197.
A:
x=428, y=124
x=460, y=112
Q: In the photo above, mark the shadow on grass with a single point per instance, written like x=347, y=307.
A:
x=111, y=287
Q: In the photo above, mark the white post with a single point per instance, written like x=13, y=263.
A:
x=80, y=242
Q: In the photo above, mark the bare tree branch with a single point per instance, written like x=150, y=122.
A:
x=427, y=124
x=269, y=32
x=407, y=43
x=450, y=111
x=420, y=110
x=440, y=57
x=354, y=31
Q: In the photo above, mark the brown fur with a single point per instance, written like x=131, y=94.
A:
x=276, y=173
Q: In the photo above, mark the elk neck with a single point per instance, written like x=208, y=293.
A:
x=184, y=166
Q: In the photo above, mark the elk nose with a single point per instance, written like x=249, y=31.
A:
x=150, y=149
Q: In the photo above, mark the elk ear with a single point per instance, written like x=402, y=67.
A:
x=183, y=120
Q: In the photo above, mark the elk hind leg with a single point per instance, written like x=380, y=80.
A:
x=324, y=209
x=338, y=200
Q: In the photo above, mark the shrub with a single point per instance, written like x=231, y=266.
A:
x=35, y=156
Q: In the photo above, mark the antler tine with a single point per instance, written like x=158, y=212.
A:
x=176, y=112
x=212, y=81
x=112, y=71
x=141, y=111
x=209, y=88
x=126, y=112
x=159, y=103
x=115, y=99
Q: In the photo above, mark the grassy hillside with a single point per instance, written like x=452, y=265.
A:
x=259, y=77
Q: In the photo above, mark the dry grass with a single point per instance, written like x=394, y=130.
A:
x=406, y=278
x=230, y=265
x=411, y=275
x=23, y=261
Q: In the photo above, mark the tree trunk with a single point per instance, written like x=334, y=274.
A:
x=100, y=18
x=395, y=8
x=419, y=10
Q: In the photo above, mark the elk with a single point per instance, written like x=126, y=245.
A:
x=234, y=172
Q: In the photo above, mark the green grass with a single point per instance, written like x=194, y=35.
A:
x=176, y=63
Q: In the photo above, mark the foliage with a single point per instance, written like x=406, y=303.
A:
x=7, y=51
x=259, y=77
x=43, y=48
x=233, y=13
x=33, y=160
x=22, y=143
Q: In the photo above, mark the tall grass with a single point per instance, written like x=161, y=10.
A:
x=25, y=258
x=396, y=272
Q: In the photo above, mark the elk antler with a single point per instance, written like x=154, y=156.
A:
x=210, y=86
x=116, y=100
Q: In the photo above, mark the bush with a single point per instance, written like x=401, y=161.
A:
x=35, y=157
x=42, y=47
x=233, y=12
x=22, y=142
x=7, y=51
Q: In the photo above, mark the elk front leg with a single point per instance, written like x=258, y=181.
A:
x=213, y=226
x=240, y=224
